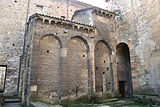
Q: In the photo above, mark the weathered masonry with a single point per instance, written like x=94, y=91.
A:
x=66, y=59
x=69, y=49
x=13, y=19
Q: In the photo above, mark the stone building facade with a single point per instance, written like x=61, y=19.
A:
x=59, y=59
x=138, y=25
x=14, y=16
x=54, y=56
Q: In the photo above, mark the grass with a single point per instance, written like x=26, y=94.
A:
x=111, y=103
x=95, y=105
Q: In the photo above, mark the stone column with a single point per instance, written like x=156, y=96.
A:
x=91, y=69
x=111, y=74
x=63, y=54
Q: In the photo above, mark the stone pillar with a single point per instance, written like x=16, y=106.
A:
x=111, y=74
x=63, y=55
x=91, y=70
x=24, y=87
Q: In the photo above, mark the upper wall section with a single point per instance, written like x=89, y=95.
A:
x=103, y=20
x=86, y=16
x=57, y=8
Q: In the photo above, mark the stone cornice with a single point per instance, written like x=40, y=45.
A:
x=68, y=24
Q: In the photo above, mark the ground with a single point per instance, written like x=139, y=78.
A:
x=119, y=103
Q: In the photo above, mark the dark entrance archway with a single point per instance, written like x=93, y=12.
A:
x=124, y=70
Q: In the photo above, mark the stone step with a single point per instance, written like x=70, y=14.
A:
x=110, y=100
x=12, y=100
x=16, y=104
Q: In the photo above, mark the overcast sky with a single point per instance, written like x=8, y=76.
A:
x=98, y=3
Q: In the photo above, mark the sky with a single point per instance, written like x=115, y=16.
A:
x=98, y=3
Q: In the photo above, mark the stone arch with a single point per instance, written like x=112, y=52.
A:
x=75, y=76
x=103, y=76
x=107, y=45
x=84, y=41
x=56, y=37
x=124, y=70
x=48, y=66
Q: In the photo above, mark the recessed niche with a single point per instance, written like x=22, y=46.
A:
x=96, y=68
x=97, y=48
x=57, y=6
x=47, y=51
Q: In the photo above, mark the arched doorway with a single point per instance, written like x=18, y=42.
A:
x=48, y=69
x=124, y=70
x=75, y=76
x=102, y=67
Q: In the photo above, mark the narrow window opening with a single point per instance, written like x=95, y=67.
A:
x=104, y=61
x=39, y=9
x=2, y=77
x=13, y=44
x=47, y=51
x=83, y=55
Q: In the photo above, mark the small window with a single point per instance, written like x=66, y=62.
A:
x=2, y=77
x=39, y=9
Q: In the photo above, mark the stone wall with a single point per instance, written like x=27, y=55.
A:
x=75, y=76
x=102, y=68
x=57, y=8
x=14, y=16
x=138, y=24
x=48, y=68
x=76, y=73
x=106, y=30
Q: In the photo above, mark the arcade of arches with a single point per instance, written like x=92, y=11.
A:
x=74, y=80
